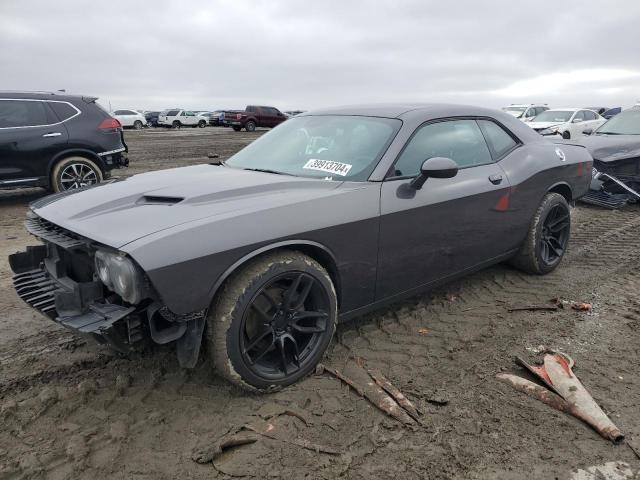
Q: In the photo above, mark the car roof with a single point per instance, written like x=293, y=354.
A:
x=401, y=110
x=567, y=109
x=62, y=96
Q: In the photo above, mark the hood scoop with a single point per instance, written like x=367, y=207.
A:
x=158, y=200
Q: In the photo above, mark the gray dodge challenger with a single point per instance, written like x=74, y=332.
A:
x=331, y=214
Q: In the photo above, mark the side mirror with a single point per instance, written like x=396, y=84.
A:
x=587, y=131
x=436, y=167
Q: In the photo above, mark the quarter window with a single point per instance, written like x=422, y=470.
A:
x=22, y=113
x=460, y=140
x=173, y=113
x=63, y=111
x=497, y=138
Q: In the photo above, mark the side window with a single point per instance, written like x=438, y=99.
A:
x=173, y=113
x=120, y=112
x=589, y=115
x=188, y=114
x=499, y=140
x=460, y=140
x=63, y=111
x=129, y=112
x=22, y=113
x=579, y=116
x=251, y=108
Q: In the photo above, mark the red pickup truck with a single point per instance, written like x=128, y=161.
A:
x=253, y=116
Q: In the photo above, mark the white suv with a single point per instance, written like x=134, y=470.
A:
x=181, y=118
x=525, y=112
x=130, y=118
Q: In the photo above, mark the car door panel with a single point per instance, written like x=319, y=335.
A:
x=444, y=228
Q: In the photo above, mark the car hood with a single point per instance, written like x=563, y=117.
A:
x=120, y=212
x=610, y=148
x=539, y=125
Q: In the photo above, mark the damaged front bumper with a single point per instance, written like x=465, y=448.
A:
x=78, y=306
x=59, y=284
x=611, y=191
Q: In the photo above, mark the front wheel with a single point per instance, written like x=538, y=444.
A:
x=202, y=124
x=137, y=125
x=548, y=237
x=177, y=125
x=237, y=129
x=272, y=322
x=566, y=135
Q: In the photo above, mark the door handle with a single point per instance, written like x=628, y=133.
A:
x=53, y=134
x=495, y=179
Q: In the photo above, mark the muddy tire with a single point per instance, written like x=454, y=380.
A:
x=74, y=172
x=250, y=126
x=272, y=322
x=566, y=135
x=548, y=237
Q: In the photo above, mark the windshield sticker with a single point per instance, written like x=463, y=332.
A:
x=328, y=166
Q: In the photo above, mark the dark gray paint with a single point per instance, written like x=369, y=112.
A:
x=383, y=241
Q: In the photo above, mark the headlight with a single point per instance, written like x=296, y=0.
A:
x=120, y=275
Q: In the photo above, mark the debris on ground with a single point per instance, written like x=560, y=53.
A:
x=269, y=430
x=379, y=391
x=579, y=306
x=564, y=392
x=423, y=331
x=224, y=443
x=533, y=308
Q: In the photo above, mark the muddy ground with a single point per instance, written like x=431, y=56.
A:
x=72, y=409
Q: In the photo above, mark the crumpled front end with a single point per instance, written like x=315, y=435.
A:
x=59, y=279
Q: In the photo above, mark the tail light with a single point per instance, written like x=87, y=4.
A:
x=109, y=123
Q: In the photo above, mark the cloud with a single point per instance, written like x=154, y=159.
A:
x=211, y=54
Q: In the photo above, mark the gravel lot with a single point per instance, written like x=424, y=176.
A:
x=72, y=409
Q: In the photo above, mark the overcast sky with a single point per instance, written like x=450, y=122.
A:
x=296, y=54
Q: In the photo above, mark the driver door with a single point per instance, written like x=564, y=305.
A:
x=449, y=225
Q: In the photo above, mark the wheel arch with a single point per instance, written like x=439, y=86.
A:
x=563, y=189
x=315, y=250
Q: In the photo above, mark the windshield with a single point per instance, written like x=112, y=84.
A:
x=625, y=123
x=554, y=116
x=330, y=147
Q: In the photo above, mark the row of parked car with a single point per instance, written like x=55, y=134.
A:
x=566, y=122
x=61, y=142
x=252, y=117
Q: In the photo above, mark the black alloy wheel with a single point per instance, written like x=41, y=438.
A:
x=555, y=234
x=273, y=321
x=283, y=325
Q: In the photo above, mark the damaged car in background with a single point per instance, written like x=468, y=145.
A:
x=331, y=214
x=615, y=148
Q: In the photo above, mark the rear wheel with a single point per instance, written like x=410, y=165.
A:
x=566, y=135
x=202, y=124
x=548, y=237
x=137, y=125
x=272, y=322
x=250, y=126
x=74, y=172
x=176, y=124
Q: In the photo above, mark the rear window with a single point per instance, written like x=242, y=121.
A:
x=63, y=111
x=499, y=140
x=24, y=113
x=172, y=113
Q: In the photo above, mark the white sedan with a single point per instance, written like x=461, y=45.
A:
x=568, y=122
x=130, y=118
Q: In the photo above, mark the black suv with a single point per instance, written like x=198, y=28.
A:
x=57, y=141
